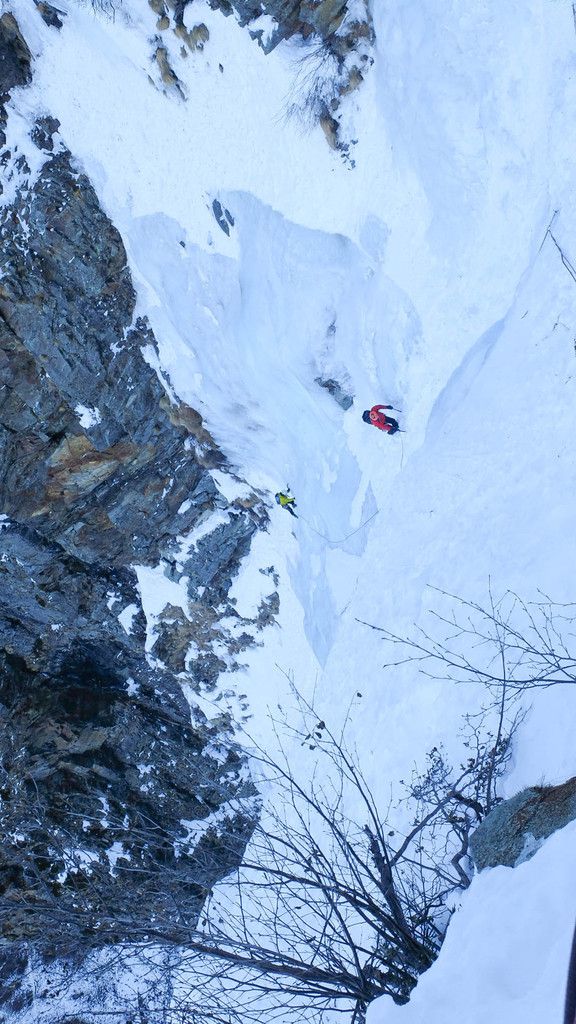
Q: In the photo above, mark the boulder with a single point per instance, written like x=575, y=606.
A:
x=515, y=828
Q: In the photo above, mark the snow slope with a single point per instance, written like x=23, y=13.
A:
x=492, y=969
x=423, y=276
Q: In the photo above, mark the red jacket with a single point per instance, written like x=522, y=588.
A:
x=378, y=419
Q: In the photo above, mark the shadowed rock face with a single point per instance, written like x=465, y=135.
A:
x=110, y=794
x=88, y=452
x=15, y=57
x=102, y=781
x=15, y=60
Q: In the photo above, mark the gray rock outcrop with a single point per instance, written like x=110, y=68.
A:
x=51, y=16
x=87, y=446
x=322, y=18
x=15, y=61
x=340, y=395
x=119, y=806
x=514, y=829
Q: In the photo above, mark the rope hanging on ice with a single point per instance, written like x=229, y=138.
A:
x=342, y=539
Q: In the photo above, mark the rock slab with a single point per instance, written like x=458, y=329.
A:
x=514, y=829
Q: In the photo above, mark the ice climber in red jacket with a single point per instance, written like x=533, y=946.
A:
x=377, y=418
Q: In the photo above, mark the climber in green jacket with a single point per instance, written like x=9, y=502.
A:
x=286, y=501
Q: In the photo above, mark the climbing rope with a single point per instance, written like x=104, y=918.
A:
x=352, y=533
x=343, y=539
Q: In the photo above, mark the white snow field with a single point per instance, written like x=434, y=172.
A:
x=422, y=276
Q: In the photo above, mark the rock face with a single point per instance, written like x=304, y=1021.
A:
x=15, y=57
x=50, y=15
x=513, y=830
x=87, y=446
x=119, y=808
x=338, y=392
x=15, y=60
x=294, y=16
x=328, y=20
x=105, y=787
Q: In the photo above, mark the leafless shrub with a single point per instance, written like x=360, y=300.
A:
x=509, y=646
x=335, y=904
x=318, y=78
x=109, y=8
x=337, y=901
